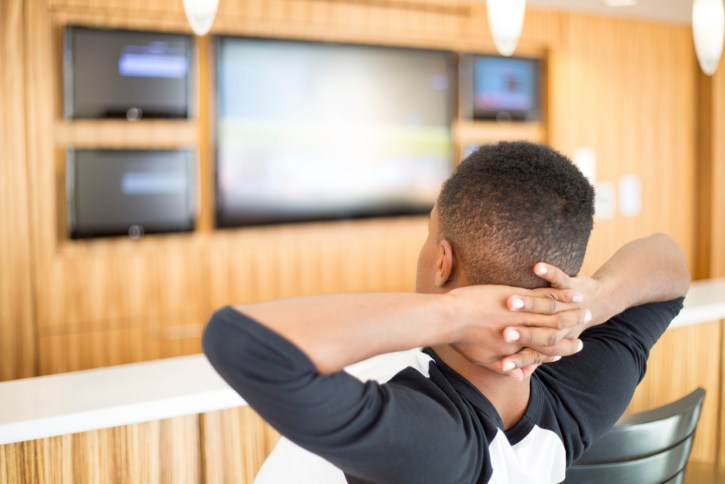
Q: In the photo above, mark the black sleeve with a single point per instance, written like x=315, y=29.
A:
x=373, y=432
x=590, y=390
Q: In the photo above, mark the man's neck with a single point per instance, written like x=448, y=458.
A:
x=508, y=396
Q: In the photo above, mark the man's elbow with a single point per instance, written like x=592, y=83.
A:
x=220, y=344
x=680, y=277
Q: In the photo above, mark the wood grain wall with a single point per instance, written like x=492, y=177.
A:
x=158, y=452
x=17, y=347
x=215, y=448
x=117, y=301
x=624, y=88
x=627, y=90
x=671, y=377
x=242, y=431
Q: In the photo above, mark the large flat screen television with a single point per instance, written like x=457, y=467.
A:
x=126, y=74
x=129, y=192
x=315, y=131
x=506, y=88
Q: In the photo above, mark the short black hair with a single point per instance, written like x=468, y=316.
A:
x=510, y=205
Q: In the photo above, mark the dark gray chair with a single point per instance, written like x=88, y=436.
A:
x=650, y=447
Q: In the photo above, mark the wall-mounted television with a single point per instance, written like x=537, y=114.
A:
x=130, y=192
x=315, y=131
x=127, y=74
x=505, y=88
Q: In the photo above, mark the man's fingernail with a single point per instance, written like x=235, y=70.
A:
x=555, y=358
x=511, y=335
x=509, y=365
x=587, y=316
x=577, y=298
x=579, y=346
x=541, y=269
x=517, y=303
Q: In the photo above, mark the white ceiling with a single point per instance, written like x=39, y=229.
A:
x=677, y=11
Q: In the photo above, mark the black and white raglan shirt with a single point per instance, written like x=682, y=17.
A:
x=428, y=424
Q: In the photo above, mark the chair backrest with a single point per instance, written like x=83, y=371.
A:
x=647, y=447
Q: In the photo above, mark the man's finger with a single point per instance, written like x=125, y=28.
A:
x=529, y=322
x=552, y=274
x=543, y=304
x=527, y=371
x=548, y=341
x=561, y=295
x=524, y=360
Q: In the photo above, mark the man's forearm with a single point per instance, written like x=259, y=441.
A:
x=337, y=330
x=651, y=269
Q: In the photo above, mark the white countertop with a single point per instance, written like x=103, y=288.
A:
x=80, y=401
x=705, y=302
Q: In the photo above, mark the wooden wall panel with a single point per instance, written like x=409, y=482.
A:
x=680, y=362
x=235, y=444
x=130, y=341
x=170, y=284
x=17, y=346
x=158, y=452
x=626, y=89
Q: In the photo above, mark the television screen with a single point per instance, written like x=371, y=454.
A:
x=129, y=192
x=506, y=88
x=312, y=131
x=126, y=74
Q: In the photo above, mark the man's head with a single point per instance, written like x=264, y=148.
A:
x=508, y=206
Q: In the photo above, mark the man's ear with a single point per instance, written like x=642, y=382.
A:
x=444, y=263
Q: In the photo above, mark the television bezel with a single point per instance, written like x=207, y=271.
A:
x=535, y=114
x=114, y=231
x=69, y=111
x=219, y=221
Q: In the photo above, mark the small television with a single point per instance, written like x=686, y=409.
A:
x=506, y=88
x=129, y=192
x=126, y=74
x=321, y=131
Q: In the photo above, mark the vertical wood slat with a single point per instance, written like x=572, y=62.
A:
x=235, y=443
x=721, y=409
x=706, y=209
x=17, y=345
x=717, y=263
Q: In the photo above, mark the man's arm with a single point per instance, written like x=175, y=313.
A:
x=593, y=387
x=648, y=270
x=334, y=331
x=364, y=429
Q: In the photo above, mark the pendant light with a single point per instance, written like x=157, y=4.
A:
x=200, y=14
x=506, y=19
x=708, y=28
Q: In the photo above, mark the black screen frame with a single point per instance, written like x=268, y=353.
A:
x=230, y=222
x=535, y=114
x=69, y=109
x=75, y=232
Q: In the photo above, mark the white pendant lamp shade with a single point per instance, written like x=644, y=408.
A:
x=708, y=29
x=506, y=19
x=200, y=14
